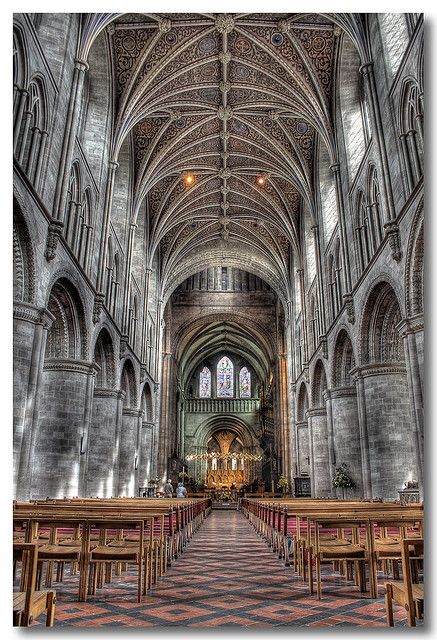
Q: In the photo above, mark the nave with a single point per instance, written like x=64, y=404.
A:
x=227, y=577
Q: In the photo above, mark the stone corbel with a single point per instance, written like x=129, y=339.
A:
x=350, y=309
x=53, y=234
x=394, y=239
x=324, y=346
x=99, y=299
x=124, y=340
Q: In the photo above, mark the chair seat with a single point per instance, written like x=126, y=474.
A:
x=39, y=601
x=59, y=552
x=388, y=550
x=113, y=554
x=339, y=552
x=398, y=585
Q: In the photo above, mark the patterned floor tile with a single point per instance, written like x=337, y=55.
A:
x=226, y=578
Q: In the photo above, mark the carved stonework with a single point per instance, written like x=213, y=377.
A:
x=124, y=348
x=350, y=308
x=99, y=299
x=224, y=173
x=324, y=346
x=224, y=113
x=392, y=232
x=224, y=23
x=164, y=25
x=53, y=234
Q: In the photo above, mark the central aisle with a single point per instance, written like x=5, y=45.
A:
x=227, y=576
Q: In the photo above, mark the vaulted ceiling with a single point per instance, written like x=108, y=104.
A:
x=226, y=99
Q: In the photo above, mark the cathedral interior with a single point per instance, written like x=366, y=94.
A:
x=218, y=253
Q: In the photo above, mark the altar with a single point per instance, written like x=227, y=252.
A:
x=224, y=478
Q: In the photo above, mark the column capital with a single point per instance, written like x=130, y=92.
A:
x=335, y=167
x=82, y=65
x=113, y=165
x=366, y=68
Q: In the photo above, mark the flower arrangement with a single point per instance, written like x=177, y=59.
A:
x=183, y=475
x=342, y=478
x=224, y=496
x=282, y=483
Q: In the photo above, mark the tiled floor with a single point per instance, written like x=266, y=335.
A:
x=227, y=577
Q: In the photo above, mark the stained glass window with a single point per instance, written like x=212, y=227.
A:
x=205, y=383
x=225, y=378
x=244, y=383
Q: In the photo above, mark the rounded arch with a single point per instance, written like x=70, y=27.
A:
x=147, y=403
x=67, y=337
x=104, y=357
x=343, y=361
x=380, y=339
x=225, y=422
x=20, y=58
x=414, y=265
x=302, y=403
x=128, y=385
x=319, y=385
x=23, y=257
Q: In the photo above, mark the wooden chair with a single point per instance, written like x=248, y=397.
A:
x=29, y=604
x=100, y=558
x=406, y=592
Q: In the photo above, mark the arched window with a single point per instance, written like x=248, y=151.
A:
x=361, y=233
x=84, y=235
x=411, y=134
x=244, y=383
x=225, y=378
x=205, y=383
x=375, y=210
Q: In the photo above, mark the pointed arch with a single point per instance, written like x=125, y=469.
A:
x=244, y=383
x=205, y=383
x=67, y=336
x=225, y=378
x=381, y=341
x=343, y=361
x=104, y=357
x=319, y=385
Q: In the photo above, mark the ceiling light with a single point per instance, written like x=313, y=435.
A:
x=261, y=181
x=189, y=180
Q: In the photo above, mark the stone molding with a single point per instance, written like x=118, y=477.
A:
x=315, y=411
x=75, y=366
x=53, y=234
x=132, y=412
x=107, y=393
x=342, y=392
x=377, y=369
x=148, y=425
x=30, y=313
x=302, y=424
x=411, y=325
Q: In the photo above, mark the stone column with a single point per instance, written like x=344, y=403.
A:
x=80, y=68
x=61, y=432
x=317, y=250
x=346, y=440
x=31, y=327
x=127, y=278
x=300, y=273
x=84, y=450
x=128, y=451
x=23, y=94
x=344, y=245
x=303, y=449
x=379, y=136
x=147, y=274
x=163, y=452
x=145, y=464
x=364, y=436
x=383, y=394
x=104, y=240
x=319, y=453
x=411, y=331
x=102, y=443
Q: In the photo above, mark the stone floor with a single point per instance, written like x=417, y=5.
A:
x=227, y=577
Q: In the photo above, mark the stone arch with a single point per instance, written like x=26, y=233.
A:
x=20, y=58
x=67, y=336
x=319, y=385
x=380, y=339
x=147, y=403
x=23, y=256
x=414, y=266
x=105, y=359
x=231, y=423
x=128, y=384
x=302, y=403
x=343, y=361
